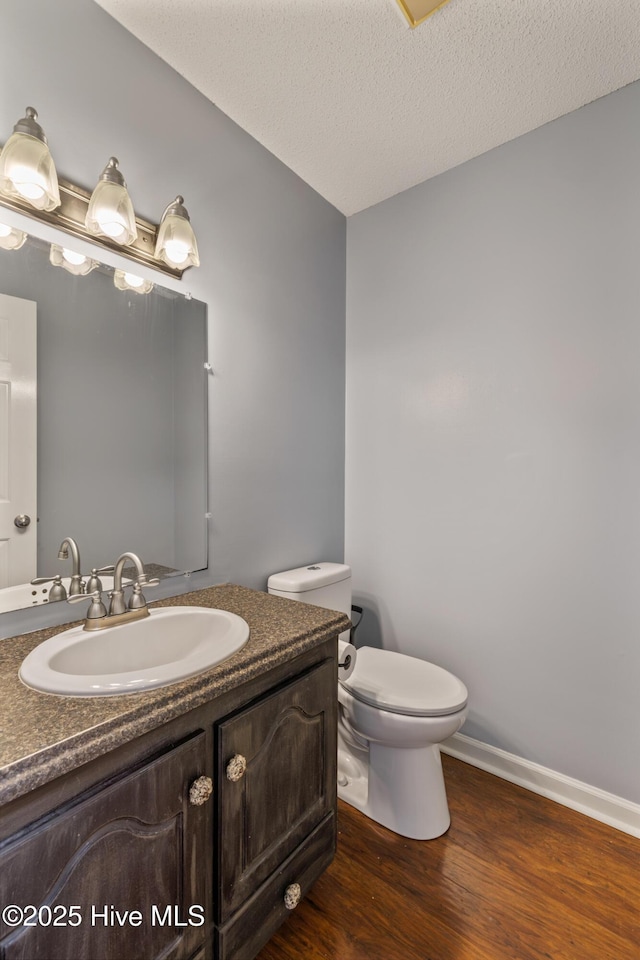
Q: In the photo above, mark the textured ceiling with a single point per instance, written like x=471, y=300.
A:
x=361, y=106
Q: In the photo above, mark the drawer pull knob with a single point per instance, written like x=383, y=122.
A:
x=200, y=791
x=292, y=896
x=236, y=768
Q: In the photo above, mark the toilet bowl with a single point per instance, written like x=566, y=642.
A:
x=394, y=710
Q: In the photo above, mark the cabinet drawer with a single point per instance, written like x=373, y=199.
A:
x=245, y=934
x=284, y=751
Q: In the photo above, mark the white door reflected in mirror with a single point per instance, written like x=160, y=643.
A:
x=18, y=434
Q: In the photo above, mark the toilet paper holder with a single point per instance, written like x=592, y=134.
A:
x=355, y=609
x=346, y=663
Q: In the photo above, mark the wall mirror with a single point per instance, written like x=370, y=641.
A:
x=118, y=452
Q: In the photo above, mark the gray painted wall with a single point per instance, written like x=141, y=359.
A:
x=272, y=275
x=493, y=436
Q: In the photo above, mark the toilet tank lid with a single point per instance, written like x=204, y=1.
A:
x=311, y=577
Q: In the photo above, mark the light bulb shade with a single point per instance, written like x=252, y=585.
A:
x=176, y=243
x=75, y=263
x=27, y=171
x=11, y=238
x=110, y=212
x=129, y=281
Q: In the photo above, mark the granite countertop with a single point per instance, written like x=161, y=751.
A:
x=43, y=736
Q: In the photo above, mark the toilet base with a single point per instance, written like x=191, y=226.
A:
x=401, y=788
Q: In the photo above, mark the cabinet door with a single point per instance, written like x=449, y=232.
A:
x=125, y=857
x=288, y=743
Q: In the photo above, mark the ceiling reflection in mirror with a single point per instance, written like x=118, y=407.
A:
x=121, y=452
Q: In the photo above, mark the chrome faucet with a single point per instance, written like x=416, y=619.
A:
x=76, y=587
x=97, y=617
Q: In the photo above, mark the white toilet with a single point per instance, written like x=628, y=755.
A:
x=394, y=710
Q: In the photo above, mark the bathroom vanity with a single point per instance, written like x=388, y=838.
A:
x=185, y=822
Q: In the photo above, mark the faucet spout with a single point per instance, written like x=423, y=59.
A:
x=117, y=594
x=69, y=544
x=119, y=567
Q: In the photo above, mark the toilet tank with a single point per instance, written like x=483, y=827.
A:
x=321, y=584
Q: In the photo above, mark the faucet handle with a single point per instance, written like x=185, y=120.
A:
x=77, y=597
x=57, y=591
x=97, y=609
x=94, y=583
x=137, y=599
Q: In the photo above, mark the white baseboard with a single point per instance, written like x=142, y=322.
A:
x=589, y=800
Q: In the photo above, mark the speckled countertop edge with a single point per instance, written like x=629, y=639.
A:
x=43, y=736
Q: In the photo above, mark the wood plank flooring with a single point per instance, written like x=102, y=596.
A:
x=517, y=877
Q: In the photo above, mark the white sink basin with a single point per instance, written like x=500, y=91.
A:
x=172, y=643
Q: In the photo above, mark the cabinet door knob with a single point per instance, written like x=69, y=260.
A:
x=200, y=791
x=292, y=896
x=236, y=768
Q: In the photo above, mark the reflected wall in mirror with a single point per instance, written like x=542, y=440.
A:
x=121, y=452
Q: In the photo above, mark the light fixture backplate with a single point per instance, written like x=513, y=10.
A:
x=70, y=217
x=417, y=11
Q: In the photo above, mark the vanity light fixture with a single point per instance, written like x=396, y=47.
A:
x=11, y=238
x=29, y=184
x=75, y=263
x=129, y=281
x=176, y=243
x=27, y=171
x=110, y=212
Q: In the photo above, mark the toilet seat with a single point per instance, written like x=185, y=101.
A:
x=401, y=684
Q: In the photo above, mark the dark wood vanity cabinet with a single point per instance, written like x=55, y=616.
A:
x=155, y=868
x=114, y=873
x=276, y=807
